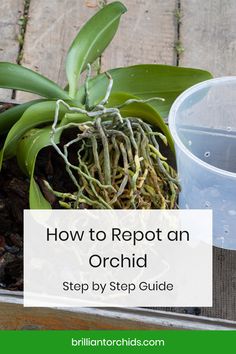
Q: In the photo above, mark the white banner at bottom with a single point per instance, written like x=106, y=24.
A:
x=124, y=258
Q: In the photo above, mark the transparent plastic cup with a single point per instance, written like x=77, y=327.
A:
x=202, y=121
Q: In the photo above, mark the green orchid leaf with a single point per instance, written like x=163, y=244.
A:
x=146, y=81
x=27, y=150
x=35, y=115
x=16, y=77
x=141, y=110
x=36, y=198
x=91, y=41
x=9, y=117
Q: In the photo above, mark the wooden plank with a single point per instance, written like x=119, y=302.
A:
x=10, y=12
x=208, y=35
x=147, y=34
x=15, y=316
x=51, y=28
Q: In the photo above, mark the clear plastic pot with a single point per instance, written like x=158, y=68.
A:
x=203, y=124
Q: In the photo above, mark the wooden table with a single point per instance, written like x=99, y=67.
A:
x=177, y=32
x=14, y=316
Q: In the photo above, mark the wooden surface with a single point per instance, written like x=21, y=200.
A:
x=51, y=29
x=208, y=34
x=147, y=34
x=15, y=316
x=10, y=12
x=206, y=29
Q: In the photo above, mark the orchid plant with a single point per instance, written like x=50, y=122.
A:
x=119, y=117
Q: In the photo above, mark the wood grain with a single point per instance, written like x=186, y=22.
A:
x=51, y=28
x=15, y=316
x=207, y=33
x=147, y=34
x=10, y=12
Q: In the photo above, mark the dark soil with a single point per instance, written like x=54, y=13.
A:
x=13, y=200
